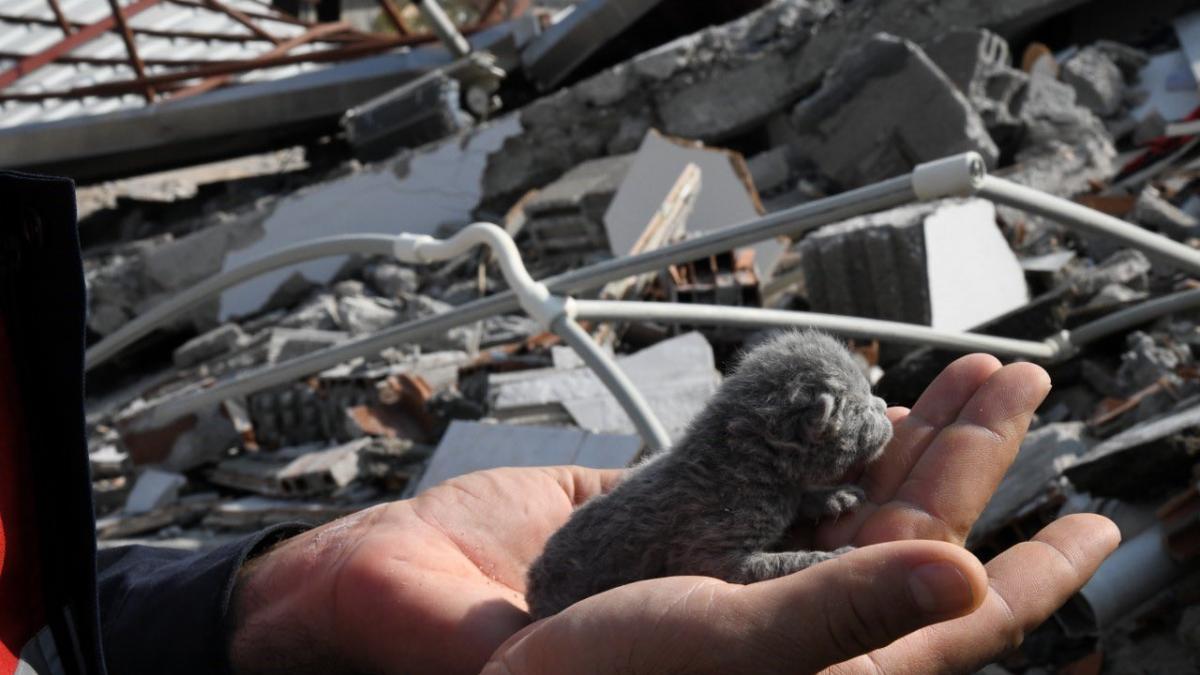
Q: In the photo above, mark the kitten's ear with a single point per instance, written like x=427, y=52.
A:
x=819, y=416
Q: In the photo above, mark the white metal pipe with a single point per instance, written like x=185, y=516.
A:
x=445, y=29
x=1133, y=316
x=551, y=311
x=796, y=220
x=1079, y=217
x=755, y=317
x=180, y=303
x=631, y=400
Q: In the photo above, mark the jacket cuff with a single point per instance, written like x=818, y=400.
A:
x=168, y=611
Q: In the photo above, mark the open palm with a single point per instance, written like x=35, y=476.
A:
x=436, y=584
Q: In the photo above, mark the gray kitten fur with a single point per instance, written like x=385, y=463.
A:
x=771, y=447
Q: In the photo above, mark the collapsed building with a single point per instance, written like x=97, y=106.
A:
x=603, y=132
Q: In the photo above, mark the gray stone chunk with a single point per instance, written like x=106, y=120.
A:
x=1153, y=210
x=770, y=170
x=586, y=189
x=1097, y=81
x=883, y=109
x=154, y=489
x=289, y=343
x=218, y=341
x=967, y=56
x=391, y=280
x=1148, y=360
x=956, y=268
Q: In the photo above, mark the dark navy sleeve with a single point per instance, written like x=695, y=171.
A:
x=168, y=611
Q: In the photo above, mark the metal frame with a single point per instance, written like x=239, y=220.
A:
x=345, y=43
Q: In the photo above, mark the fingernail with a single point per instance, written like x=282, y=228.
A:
x=939, y=588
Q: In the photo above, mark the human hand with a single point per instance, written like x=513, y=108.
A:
x=436, y=584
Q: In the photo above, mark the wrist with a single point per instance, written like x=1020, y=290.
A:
x=272, y=617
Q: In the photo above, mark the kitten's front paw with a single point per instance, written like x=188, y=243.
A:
x=842, y=500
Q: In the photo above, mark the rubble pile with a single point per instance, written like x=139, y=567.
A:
x=794, y=101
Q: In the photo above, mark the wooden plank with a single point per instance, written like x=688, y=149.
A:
x=67, y=44
x=394, y=15
x=135, y=59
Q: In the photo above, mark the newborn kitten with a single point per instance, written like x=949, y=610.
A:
x=771, y=446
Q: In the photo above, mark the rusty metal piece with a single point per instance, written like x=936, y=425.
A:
x=135, y=60
x=77, y=39
x=1180, y=518
x=722, y=279
x=280, y=49
x=242, y=18
x=1111, y=408
x=60, y=17
x=153, y=446
x=401, y=411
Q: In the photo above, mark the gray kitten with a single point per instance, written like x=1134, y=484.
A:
x=771, y=447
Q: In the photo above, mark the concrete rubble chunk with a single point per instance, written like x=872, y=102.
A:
x=884, y=108
x=391, y=280
x=218, y=341
x=1147, y=360
x=1146, y=459
x=676, y=377
x=727, y=195
x=154, y=489
x=1096, y=79
x=1153, y=210
x=293, y=472
x=959, y=272
x=472, y=446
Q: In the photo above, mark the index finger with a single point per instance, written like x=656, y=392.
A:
x=954, y=478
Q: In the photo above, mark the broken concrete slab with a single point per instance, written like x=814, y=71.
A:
x=1153, y=210
x=883, y=109
x=676, y=377
x=293, y=472
x=1096, y=79
x=726, y=197
x=154, y=489
x=472, y=446
x=1152, y=456
x=418, y=112
x=218, y=341
x=959, y=271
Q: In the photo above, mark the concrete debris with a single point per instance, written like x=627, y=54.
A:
x=726, y=195
x=1098, y=83
x=883, y=109
x=687, y=121
x=216, y=342
x=1154, y=211
x=154, y=489
x=851, y=267
x=676, y=377
x=470, y=446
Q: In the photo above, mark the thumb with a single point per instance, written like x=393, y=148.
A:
x=858, y=602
